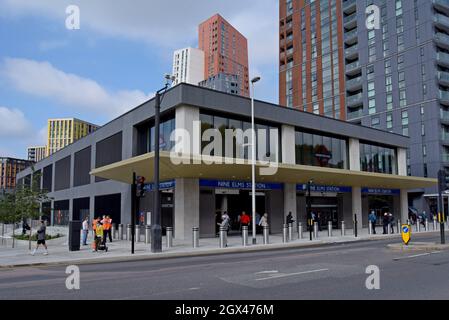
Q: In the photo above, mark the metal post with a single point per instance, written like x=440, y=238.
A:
x=253, y=163
x=427, y=224
x=389, y=228
x=266, y=232
x=147, y=234
x=284, y=233
x=169, y=237
x=133, y=210
x=355, y=225
x=370, y=228
x=245, y=236
x=418, y=226
x=114, y=231
x=128, y=232
x=329, y=229
x=399, y=226
x=156, y=229
x=120, y=231
x=299, y=230
x=223, y=240
x=315, y=230
x=309, y=209
x=434, y=224
x=290, y=232
x=137, y=238
x=343, y=229
x=195, y=237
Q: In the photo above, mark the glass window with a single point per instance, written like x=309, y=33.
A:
x=321, y=151
x=377, y=158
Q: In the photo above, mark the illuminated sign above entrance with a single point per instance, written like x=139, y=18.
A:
x=242, y=185
x=167, y=185
x=379, y=191
x=324, y=189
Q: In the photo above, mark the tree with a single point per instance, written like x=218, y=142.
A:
x=24, y=203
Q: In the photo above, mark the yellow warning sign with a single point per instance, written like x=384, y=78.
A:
x=406, y=230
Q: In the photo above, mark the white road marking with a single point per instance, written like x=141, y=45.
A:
x=265, y=272
x=414, y=256
x=291, y=274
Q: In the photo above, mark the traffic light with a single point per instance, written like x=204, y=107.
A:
x=442, y=181
x=140, y=187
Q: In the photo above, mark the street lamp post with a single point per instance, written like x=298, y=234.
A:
x=156, y=228
x=309, y=209
x=253, y=161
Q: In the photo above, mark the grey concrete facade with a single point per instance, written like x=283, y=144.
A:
x=195, y=205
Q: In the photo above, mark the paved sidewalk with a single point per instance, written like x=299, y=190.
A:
x=120, y=250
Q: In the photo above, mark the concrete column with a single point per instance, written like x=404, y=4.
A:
x=402, y=161
x=288, y=144
x=290, y=200
x=357, y=206
x=186, y=118
x=354, y=154
x=70, y=209
x=187, y=208
x=91, y=208
x=404, y=205
x=224, y=204
x=72, y=171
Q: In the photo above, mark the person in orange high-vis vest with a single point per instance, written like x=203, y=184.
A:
x=107, y=226
x=94, y=226
x=110, y=228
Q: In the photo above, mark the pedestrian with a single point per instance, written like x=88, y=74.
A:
x=385, y=222
x=372, y=218
x=391, y=222
x=225, y=222
x=25, y=226
x=99, y=234
x=318, y=218
x=289, y=219
x=41, y=234
x=94, y=226
x=106, y=222
x=264, y=220
x=245, y=220
x=257, y=222
x=85, y=230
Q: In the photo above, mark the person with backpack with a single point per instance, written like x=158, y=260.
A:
x=289, y=219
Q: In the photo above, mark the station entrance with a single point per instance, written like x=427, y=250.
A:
x=234, y=202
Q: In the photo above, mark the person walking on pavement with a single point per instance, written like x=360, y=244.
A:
x=264, y=220
x=106, y=229
x=373, y=220
x=385, y=222
x=391, y=222
x=85, y=231
x=41, y=238
x=289, y=219
x=245, y=220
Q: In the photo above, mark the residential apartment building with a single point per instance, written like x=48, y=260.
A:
x=225, y=50
x=395, y=78
x=188, y=66
x=223, y=82
x=37, y=153
x=9, y=168
x=63, y=132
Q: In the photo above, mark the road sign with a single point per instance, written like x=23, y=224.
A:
x=406, y=233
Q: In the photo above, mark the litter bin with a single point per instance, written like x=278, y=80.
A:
x=74, y=235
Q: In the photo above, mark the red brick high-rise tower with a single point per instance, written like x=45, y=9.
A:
x=225, y=51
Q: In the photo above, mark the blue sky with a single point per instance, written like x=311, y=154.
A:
x=116, y=59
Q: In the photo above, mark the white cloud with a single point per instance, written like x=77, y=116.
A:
x=44, y=80
x=48, y=45
x=168, y=24
x=13, y=124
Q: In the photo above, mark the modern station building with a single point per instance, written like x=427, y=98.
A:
x=354, y=169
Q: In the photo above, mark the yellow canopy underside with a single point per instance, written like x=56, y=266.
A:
x=197, y=167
